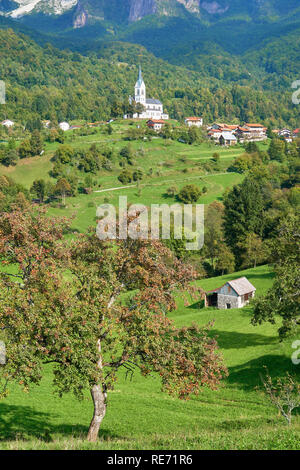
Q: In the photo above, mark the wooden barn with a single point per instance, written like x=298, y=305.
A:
x=233, y=294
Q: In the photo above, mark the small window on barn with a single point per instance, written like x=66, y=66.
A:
x=228, y=288
x=228, y=306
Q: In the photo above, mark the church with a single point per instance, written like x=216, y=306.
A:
x=153, y=109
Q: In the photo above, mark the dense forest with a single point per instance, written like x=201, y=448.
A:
x=49, y=83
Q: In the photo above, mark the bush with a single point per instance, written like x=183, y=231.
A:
x=125, y=177
x=189, y=194
x=138, y=175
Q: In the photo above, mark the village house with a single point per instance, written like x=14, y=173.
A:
x=257, y=132
x=8, y=123
x=229, y=134
x=286, y=134
x=224, y=127
x=223, y=134
x=152, y=108
x=194, y=121
x=227, y=139
x=155, y=124
x=243, y=134
x=233, y=294
x=215, y=134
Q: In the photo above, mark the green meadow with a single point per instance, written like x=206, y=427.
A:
x=165, y=163
x=140, y=416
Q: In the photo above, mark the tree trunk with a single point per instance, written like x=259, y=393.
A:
x=99, y=396
x=99, y=400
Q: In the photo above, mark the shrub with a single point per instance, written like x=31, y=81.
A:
x=189, y=194
x=125, y=177
x=283, y=393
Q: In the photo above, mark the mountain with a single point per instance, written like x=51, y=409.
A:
x=248, y=43
x=20, y=8
x=122, y=11
x=49, y=83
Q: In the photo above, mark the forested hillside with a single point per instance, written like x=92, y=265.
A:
x=48, y=83
x=231, y=40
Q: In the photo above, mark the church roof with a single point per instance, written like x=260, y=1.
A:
x=152, y=101
x=140, y=79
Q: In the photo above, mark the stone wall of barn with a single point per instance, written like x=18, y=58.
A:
x=234, y=301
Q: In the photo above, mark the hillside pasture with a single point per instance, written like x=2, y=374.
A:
x=140, y=416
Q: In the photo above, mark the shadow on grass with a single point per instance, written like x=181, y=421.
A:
x=248, y=375
x=23, y=422
x=236, y=340
x=257, y=275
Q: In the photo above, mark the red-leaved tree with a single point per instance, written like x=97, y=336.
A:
x=91, y=307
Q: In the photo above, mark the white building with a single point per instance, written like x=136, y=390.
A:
x=234, y=294
x=257, y=132
x=194, y=121
x=153, y=109
x=7, y=123
x=65, y=126
x=286, y=134
x=156, y=124
x=227, y=138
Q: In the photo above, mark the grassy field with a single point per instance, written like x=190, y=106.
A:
x=163, y=156
x=84, y=207
x=172, y=164
x=140, y=416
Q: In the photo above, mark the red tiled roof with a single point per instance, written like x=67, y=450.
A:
x=254, y=125
x=193, y=119
x=156, y=121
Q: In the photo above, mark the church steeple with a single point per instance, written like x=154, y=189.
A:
x=140, y=75
x=140, y=89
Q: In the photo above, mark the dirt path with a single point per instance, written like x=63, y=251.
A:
x=160, y=184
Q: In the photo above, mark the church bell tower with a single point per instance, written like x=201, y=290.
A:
x=140, y=90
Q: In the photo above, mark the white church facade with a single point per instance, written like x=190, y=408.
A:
x=153, y=109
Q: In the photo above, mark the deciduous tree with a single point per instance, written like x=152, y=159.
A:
x=283, y=299
x=83, y=324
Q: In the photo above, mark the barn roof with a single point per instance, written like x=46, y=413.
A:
x=242, y=286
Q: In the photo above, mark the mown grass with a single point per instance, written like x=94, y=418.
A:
x=140, y=416
x=172, y=164
x=154, y=154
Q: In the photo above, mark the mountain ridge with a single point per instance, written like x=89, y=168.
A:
x=135, y=10
x=236, y=41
